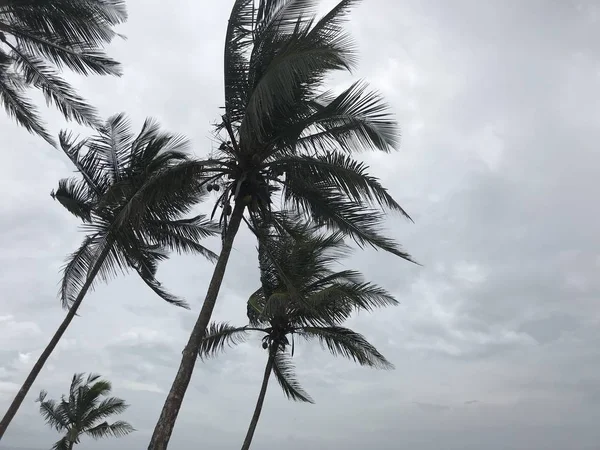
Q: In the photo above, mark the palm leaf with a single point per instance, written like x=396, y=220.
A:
x=183, y=235
x=156, y=286
x=63, y=444
x=106, y=408
x=167, y=194
x=88, y=165
x=55, y=89
x=117, y=429
x=347, y=343
x=76, y=270
x=341, y=171
x=112, y=145
x=323, y=202
x=73, y=20
x=355, y=120
x=20, y=108
x=300, y=57
x=237, y=42
x=217, y=336
x=284, y=371
x=74, y=196
x=81, y=57
x=53, y=416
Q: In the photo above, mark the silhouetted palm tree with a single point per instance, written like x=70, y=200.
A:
x=302, y=296
x=283, y=132
x=119, y=173
x=38, y=38
x=83, y=410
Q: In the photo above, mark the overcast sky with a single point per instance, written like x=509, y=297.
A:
x=497, y=339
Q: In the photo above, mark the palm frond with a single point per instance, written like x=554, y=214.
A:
x=217, y=336
x=349, y=176
x=324, y=203
x=183, y=235
x=97, y=388
x=347, y=343
x=156, y=286
x=106, y=408
x=88, y=164
x=81, y=57
x=284, y=371
x=144, y=260
x=167, y=194
x=238, y=40
x=287, y=63
x=276, y=17
x=52, y=414
x=63, y=444
x=335, y=17
x=55, y=89
x=73, y=20
x=356, y=120
x=74, y=195
x=112, y=145
x=154, y=150
x=20, y=108
x=116, y=429
x=360, y=296
x=76, y=270
x=337, y=301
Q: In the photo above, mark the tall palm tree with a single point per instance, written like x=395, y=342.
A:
x=40, y=37
x=282, y=132
x=80, y=413
x=119, y=172
x=314, y=309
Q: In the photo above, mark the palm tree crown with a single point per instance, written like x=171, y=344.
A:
x=283, y=132
x=120, y=171
x=300, y=295
x=84, y=412
x=38, y=38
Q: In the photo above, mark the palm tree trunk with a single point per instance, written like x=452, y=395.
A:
x=259, y=403
x=37, y=368
x=168, y=416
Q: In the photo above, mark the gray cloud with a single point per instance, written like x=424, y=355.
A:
x=499, y=106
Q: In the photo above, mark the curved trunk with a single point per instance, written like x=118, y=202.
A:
x=168, y=416
x=39, y=364
x=259, y=403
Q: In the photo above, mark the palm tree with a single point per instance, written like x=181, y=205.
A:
x=282, y=132
x=120, y=172
x=40, y=37
x=80, y=413
x=301, y=296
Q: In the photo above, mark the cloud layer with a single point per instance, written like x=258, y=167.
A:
x=496, y=339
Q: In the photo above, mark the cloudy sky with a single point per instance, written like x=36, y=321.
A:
x=497, y=339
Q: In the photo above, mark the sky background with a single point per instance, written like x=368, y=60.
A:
x=497, y=339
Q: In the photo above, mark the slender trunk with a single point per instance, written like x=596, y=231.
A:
x=168, y=416
x=259, y=403
x=37, y=368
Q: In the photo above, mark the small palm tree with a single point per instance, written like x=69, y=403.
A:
x=38, y=38
x=119, y=172
x=301, y=296
x=283, y=132
x=84, y=412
